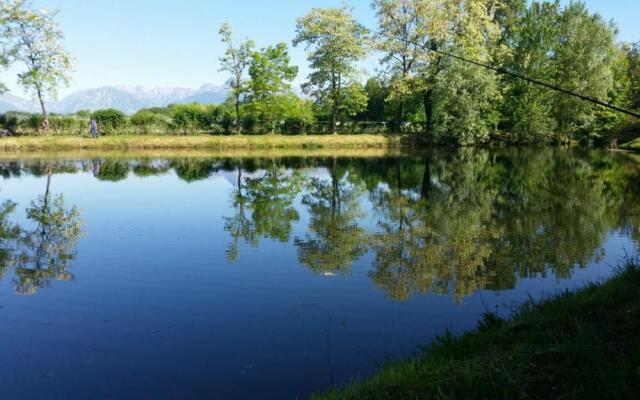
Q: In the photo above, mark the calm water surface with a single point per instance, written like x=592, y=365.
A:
x=275, y=278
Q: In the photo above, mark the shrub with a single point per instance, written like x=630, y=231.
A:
x=190, y=118
x=8, y=122
x=109, y=120
x=145, y=120
x=33, y=122
x=62, y=124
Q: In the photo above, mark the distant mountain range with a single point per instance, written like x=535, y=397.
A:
x=127, y=99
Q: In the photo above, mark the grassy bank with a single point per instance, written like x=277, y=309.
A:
x=576, y=346
x=237, y=153
x=62, y=143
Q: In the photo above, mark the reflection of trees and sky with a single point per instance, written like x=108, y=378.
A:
x=284, y=275
x=449, y=222
x=41, y=250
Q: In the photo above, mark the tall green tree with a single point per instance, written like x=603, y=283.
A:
x=464, y=97
x=583, y=63
x=236, y=61
x=401, y=36
x=35, y=40
x=377, y=92
x=269, y=90
x=4, y=54
x=632, y=52
x=336, y=42
x=533, y=37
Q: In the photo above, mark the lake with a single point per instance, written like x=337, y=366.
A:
x=194, y=276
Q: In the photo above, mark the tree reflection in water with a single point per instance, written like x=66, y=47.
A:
x=447, y=222
x=455, y=222
x=42, y=254
x=334, y=239
x=263, y=207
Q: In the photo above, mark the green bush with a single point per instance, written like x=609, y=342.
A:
x=109, y=120
x=33, y=122
x=147, y=121
x=63, y=124
x=8, y=122
x=192, y=118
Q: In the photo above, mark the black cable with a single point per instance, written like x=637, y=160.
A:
x=505, y=71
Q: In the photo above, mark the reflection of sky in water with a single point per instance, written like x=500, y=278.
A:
x=155, y=308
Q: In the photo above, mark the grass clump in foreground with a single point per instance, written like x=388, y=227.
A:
x=583, y=345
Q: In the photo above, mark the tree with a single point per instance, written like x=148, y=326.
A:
x=411, y=34
x=4, y=53
x=533, y=37
x=270, y=83
x=464, y=97
x=377, y=93
x=401, y=37
x=583, y=63
x=336, y=41
x=633, y=58
x=433, y=30
x=236, y=60
x=36, y=41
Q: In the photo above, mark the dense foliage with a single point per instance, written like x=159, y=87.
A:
x=109, y=120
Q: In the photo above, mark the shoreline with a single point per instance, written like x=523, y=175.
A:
x=570, y=345
x=186, y=153
x=205, y=142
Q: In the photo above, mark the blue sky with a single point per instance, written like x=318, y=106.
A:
x=166, y=43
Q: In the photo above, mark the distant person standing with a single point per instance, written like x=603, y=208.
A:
x=93, y=128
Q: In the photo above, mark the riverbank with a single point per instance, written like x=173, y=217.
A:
x=201, y=142
x=582, y=345
x=235, y=153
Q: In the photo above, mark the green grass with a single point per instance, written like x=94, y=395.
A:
x=66, y=143
x=583, y=345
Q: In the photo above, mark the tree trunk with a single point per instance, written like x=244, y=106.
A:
x=237, y=114
x=45, y=115
x=335, y=109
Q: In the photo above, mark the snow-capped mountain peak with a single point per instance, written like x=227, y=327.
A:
x=126, y=98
